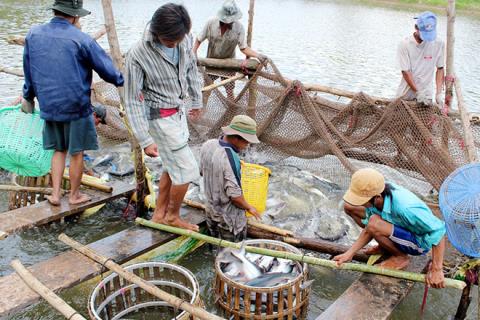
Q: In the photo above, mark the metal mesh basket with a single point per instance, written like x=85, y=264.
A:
x=459, y=201
x=115, y=298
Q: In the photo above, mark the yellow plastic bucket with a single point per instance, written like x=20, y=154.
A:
x=255, y=185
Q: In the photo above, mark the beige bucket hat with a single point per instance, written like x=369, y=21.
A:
x=229, y=12
x=366, y=183
x=243, y=126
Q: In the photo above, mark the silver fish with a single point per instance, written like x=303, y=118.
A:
x=270, y=280
x=237, y=265
x=282, y=266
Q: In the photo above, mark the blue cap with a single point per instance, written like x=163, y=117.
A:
x=427, y=25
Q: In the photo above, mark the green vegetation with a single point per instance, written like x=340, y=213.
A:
x=461, y=4
x=469, y=7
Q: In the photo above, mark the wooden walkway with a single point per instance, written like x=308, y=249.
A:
x=71, y=268
x=372, y=297
x=43, y=213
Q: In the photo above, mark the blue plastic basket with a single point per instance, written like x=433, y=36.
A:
x=21, y=147
x=460, y=205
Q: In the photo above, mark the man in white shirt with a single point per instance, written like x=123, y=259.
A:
x=419, y=55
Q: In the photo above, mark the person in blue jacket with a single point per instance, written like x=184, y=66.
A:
x=58, y=62
x=398, y=220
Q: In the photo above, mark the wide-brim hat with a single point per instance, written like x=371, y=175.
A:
x=73, y=8
x=242, y=126
x=427, y=26
x=366, y=183
x=229, y=12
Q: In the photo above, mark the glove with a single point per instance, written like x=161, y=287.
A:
x=28, y=106
x=439, y=99
x=262, y=58
x=422, y=97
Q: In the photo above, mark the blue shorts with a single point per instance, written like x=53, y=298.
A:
x=406, y=241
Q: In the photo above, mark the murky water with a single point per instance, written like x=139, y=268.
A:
x=343, y=45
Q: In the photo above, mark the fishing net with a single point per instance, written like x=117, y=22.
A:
x=412, y=144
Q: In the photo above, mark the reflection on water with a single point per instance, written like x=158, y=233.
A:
x=342, y=45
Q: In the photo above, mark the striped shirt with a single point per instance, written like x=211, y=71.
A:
x=152, y=80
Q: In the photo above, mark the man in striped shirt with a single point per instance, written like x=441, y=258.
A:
x=161, y=74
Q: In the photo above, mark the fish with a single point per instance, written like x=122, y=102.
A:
x=236, y=264
x=268, y=280
x=100, y=161
x=282, y=266
x=332, y=228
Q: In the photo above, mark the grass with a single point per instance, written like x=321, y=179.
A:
x=471, y=7
x=460, y=4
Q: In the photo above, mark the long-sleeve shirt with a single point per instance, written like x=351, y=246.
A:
x=406, y=210
x=58, y=61
x=153, y=80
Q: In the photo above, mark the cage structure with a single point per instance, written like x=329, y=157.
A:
x=459, y=201
x=115, y=298
x=285, y=301
x=19, y=199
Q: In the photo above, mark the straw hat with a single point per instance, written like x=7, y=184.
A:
x=229, y=12
x=366, y=183
x=242, y=126
x=73, y=8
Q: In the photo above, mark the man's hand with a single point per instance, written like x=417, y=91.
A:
x=194, y=114
x=422, y=97
x=342, y=258
x=254, y=213
x=151, y=150
x=28, y=106
x=435, y=278
x=439, y=99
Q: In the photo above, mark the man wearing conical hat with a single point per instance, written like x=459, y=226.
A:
x=224, y=33
x=220, y=168
x=401, y=223
x=58, y=63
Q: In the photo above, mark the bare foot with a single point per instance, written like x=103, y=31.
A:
x=177, y=222
x=374, y=250
x=396, y=262
x=79, y=198
x=53, y=200
x=158, y=219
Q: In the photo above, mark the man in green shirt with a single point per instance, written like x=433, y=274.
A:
x=398, y=220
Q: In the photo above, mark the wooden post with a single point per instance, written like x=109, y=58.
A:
x=450, y=78
x=465, y=299
x=43, y=291
x=251, y=10
x=140, y=170
x=467, y=131
x=142, y=283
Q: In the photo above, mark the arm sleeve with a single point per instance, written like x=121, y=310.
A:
x=103, y=64
x=242, y=40
x=232, y=189
x=28, y=91
x=402, y=57
x=204, y=33
x=440, y=63
x=134, y=104
x=426, y=224
x=193, y=78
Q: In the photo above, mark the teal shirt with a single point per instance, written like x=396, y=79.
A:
x=406, y=210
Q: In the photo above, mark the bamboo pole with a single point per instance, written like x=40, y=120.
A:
x=412, y=276
x=467, y=131
x=7, y=187
x=223, y=82
x=20, y=40
x=145, y=285
x=54, y=300
x=450, y=72
x=92, y=184
x=12, y=71
x=251, y=12
x=140, y=169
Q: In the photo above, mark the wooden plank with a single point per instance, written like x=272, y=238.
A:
x=43, y=212
x=71, y=268
x=372, y=297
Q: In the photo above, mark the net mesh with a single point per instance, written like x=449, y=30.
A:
x=413, y=144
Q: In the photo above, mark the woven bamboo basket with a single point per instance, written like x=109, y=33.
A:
x=115, y=298
x=286, y=301
x=19, y=199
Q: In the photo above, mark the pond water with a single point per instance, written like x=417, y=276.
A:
x=344, y=45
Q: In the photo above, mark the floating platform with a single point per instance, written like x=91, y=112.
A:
x=70, y=268
x=43, y=213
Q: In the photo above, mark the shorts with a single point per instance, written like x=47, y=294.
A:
x=406, y=242
x=72, y=136
x=221, y=231
x=171, y=136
